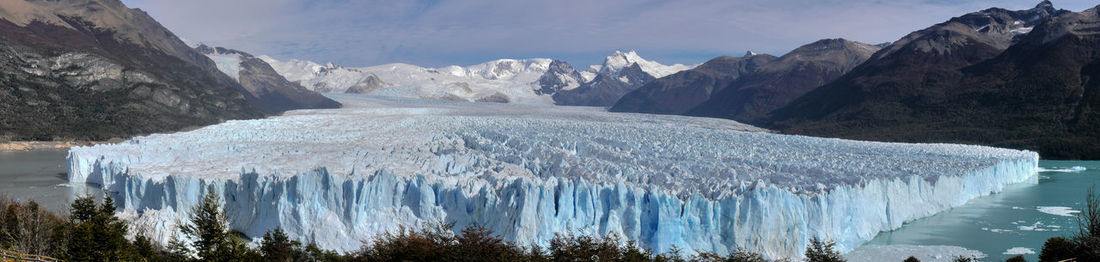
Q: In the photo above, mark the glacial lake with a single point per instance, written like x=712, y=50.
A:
x=39, y=175
x=1020, y=218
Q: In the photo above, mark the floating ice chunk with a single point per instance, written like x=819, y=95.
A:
x=1019, y=251
x=1073, y=169
x=876, y=253
x=1037, y=226
x=1058, y=211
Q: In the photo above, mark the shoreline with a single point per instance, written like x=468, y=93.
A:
x=44, y=145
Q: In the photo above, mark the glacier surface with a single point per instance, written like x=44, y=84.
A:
x=342, y=176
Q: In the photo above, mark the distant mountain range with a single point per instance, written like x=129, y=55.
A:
x=537, y=80
x=748, y=88
x=1021, y=79
x=95, y=69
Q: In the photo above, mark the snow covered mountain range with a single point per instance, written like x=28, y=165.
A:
x=535, y=80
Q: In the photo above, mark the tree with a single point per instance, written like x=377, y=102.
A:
x=277, y=246
x=210, y=229
x=27, y=228
x=143, y=248
x=739, y=255
x=1057, y=249
x=1016, y=259
x=822, y=251
x=97, y=235
x=1087, y=239
x=912, y=259
x=965, y=259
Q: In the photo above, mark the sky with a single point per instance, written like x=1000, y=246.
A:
x=582, y=32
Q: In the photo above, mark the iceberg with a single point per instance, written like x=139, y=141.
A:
x=340, y=177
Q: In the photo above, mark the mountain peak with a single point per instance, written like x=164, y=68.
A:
x=750, y=53
x=619, y=60
x=1045, y=4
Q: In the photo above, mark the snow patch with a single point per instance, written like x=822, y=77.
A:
x=230, y=64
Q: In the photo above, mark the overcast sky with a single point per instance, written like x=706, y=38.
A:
x=582, y=32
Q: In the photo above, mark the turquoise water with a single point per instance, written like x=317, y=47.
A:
x=996, y=223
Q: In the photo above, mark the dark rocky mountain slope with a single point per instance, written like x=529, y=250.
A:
x=605, y=89
x=1020, y=79
x=753, y=96
x=95, y=69
x=682, y=91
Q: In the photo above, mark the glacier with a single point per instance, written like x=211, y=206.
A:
x=340, y=177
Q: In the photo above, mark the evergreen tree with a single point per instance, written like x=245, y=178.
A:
x=1057, y=249
x=277, y=246
x=209, y=228
x=96, y=234
x=143, y=249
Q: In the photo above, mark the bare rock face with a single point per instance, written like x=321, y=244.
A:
x=367, y=85
x=496, y=97
x=559, y=76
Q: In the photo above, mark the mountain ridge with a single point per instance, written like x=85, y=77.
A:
x=1035, y=94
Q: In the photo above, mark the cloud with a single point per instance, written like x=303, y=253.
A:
x=443, y=32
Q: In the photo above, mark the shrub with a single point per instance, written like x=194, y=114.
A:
x=739, y=255
x=912, y=259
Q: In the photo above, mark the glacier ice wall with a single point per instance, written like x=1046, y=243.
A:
x=339, y=177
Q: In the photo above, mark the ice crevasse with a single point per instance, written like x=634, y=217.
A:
x=341, y=177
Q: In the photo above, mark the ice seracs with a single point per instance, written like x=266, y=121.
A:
x=339, y=177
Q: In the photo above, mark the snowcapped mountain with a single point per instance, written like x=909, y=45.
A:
x=510, y=78
x=620, y=73
x=533, y=80
x=619, y=60
x=503, y=80
x=263, y=82
x=327, y=78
